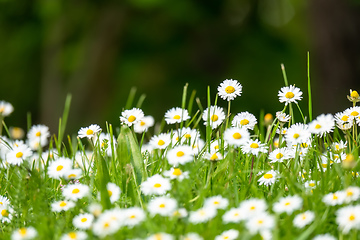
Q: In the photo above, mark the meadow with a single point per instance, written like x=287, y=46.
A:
x=203, y=172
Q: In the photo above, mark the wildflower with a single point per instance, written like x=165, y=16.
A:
x=62, y=206
x=161, y=141
x=290, y=94
x=160, y=236
x=89, y=131
x=78, y=235
x=6, y=213
x=202, y=215
x=181, y=154
x=133, y=216
x=279, y=155
x=217, y=202
x=216, y=116
x=311, y=184
x=343, y=121
x=352, y=194
x=268, y=178
x=176, y=115
x=176, y=173
x=191, y=236
x=4, y=201
x=17, y=155
x=348, y=218
x=186, y=135
x=83, y=221
x=72, y=174
x=163, y=206
x=24, y=233
x=84, y=160
x=325, y=236
x=254, y=147
x=144, y=124
x=38, y=131
x=338, y=146
x=322, y=125
x=349, y=161
x=180, y=213
x=105, y=143
x=132, y=116
x=197, y=146
x=113, y=191
x=95, y=209
x=354, y=96
x=76, y=191
x=234, y=215
x=59, y=167
x=268, y=119
x=288, y=204
x=213, y=157
x=108, y=223
x=5, y=108
x=155, y=185
x=236, y=136
x=336, y=198
x=252, y=207
x=260, y=222
x=303, y=219
x=216, y=145
x=244, y=120
x=229, y=89
x=282, y=117
x=297, y=133
x=231, y=234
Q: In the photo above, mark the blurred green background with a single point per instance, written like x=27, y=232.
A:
x=97, y=50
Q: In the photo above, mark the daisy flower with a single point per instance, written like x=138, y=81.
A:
x=217, y=202
x=197, y=146
x=59, y=167
x=297, y=133
x=155, y=185
x=288, y=204
x=160, y=236
x=202, y=215
x=216, y=156
x=95, y=209
x=215, y=146
x=114, y=192
x=191, y=236
x=244, y=120
x=322, y=125
x=4, y=201
x=338, y=146
x=282, y=117
x=144, y=124
x=231, y=234
x=18, y=154
x=78, y=235
x=254, y=147
x=89, y=131
x=236, y=136
x=176, y=115
x=62, y=206
x=352, y=194
x=311, y=184
x=76, y=191
x=325, y=236
x=260, y=222
x=336, y=198
x=38, y=131
x=181, y=154
x=180, y=213
x=303, y=219
x=268, y=178
x=133, y=216
x=186, y=135
x=6, y=108
x=289, y=94
x=72, y=174
x=24, y=233
x=6, y=213
x=161, y=141
x=229, y=89
x=105, y=143
x=83, y=221
x=216, y=116
x=84, y=160
x=252, y=207
x=353, y=112
x=176, y=173
x=163, y=206
x=107, y=223
x=348, y=218
x=234, y=215
x=279, y=155
x=132, y=116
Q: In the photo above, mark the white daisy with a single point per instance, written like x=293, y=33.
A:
x=244, y=120
x=325, y=236
x=133, y=216
x=352, y=194
x=289, y=94
x=353, y=112
x=229, y=89
x=288, y=204
x=260, y=222
x=114, y=192
x=105, y=143
x=303, y=219
x=76, y=191
x=282, y=117
x=176, y=173
x=252, y=207
x=202, y=215
x=163, y=206
x=62, y=206
x=4, y=201
x=161, y=141
x=338, y=146
x=155, y=185
x=78, y=235
x=176, y=115
x=186, y=135
x=297, y=133
x=144, y=124
x=322, y=125
x=215, y=156
x=310, y=184
x=236, y=136
x=181, y=154
x=336, y=198
x=89, y=131
x=191, y=236
x=254, y=147
x=216, y=116
x=216, y=145
x=268, y=178
x=109, y=222
x=234, y=215
x=83, y=221
x=72, y=174
x=132, y=116
x=348, y=218
x=18, y=154
x=160, y=236
x=217, y=202
x=279, y=155
x=6, y=108
x=230, y=234
x=59, y=167
x=24, y=233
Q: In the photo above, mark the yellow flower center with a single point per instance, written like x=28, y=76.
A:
x=354, y=113
x=72, y=175
x=287, y=203
x=177, y=117
x=349, y=193
x=317, y=126
x=38, y=134
x=187, y=135
x=89, y=132
x=229, y=89
x=335, y=197
x=214, y=157
x=289, y=95
x=304, y=145
x=4, y=213
x=157, y=185
x=268, y=117
x=254, y=145
x=260, y=222
x=72, y=235
x=19, y=154
x=162, y=205
x=303, y=217
x=268, y=176
x=106, y=225
x=214, y=118
x=345, y=118
x=252, y=208
x=296, y=136
x=312, y=184
x=142, y=123
x=75, y=191
x=131, y=118
x=2, y=109
x=279, y=155
x=132, y=216
x=59, y=168
x=63, y=204
x=236, y=214
x=324, y=165
x=22, y=231
x=352, y=217
x=177, y=172
x=354, y=94
x=161, y=142
x=83, y=220
x=216, y=147
x=226, y=237
x=110, y=193
x=180, y=154
x=244, y=122
x=236, y=135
